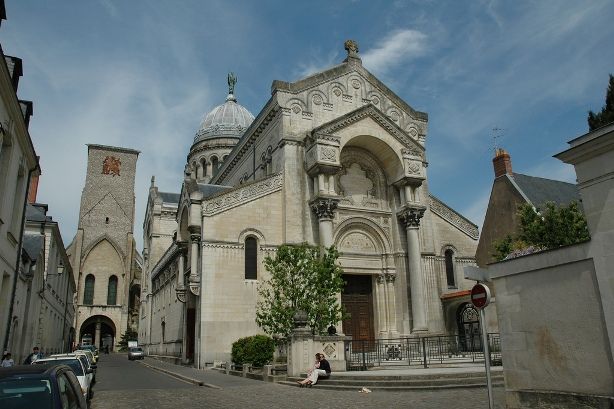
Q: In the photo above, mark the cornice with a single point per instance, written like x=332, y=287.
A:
x=453, y=217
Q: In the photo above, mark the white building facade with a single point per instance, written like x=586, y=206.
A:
x=333, y=159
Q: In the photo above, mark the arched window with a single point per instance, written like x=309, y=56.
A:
x=214, y=163
x=88, y=293
x=450, y=268
x=112, y=291
x=251, y=258
x=203, y=165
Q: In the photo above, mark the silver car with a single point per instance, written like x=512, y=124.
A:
x=136, y=353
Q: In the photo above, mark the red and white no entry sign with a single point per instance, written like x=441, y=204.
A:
x=480, y=296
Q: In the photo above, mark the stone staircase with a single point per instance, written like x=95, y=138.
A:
x=397, y=383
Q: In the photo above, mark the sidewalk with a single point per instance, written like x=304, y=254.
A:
x=202, y=377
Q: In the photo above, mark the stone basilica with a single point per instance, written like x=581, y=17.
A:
x=334, y=158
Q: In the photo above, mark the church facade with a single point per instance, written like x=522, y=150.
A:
x=333, y=159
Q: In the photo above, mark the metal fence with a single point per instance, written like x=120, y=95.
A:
x=364, y=354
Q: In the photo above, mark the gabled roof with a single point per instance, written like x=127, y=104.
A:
x=540, y=190
x=338, y=71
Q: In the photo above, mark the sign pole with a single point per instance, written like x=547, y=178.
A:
x=486, y=357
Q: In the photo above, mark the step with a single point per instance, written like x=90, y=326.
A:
x=324, y=385
x=406, y=382
x=371, y=375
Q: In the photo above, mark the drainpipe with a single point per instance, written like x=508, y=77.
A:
x=19, y=248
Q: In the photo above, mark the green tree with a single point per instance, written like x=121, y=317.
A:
x=129, y=335
x=549, y=228
x=606, y=116
x=302, y=278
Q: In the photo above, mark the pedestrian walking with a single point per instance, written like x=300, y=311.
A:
x=7, y=361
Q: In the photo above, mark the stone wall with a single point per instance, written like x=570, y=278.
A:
x=551, y=321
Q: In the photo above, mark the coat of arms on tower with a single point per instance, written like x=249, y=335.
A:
x=110, y=166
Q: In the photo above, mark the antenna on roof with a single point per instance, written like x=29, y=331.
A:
x=496, y=134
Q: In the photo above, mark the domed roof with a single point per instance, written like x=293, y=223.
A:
x=227, y=120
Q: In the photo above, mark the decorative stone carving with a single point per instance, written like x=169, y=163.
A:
x=361, y=182
x=317, y=99
x=410, y=215
x=195, y=289
x=381, y=279
x=111, y=166
x=328, y=154
x=375, y=100
x=337, y=92
x=357, y=242
x=296, y=109
x=382, y=120
x=351, y=47
x=181, y=294
x=324, y=207
x=242, y=195
x=453, y=218
x=356, y=84
x=390, y=277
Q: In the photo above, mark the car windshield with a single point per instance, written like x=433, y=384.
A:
x=136, y=349
x=74, y=364
x=25, y=393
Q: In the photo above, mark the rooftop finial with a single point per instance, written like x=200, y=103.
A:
x=351, y=47
x=232, y=80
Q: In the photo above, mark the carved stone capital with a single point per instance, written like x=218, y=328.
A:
x=195, y=289
x=324, y=207
x=181, y=294
x=390, y=277
x=380, y=279
x=410, y=215
x=194, y=237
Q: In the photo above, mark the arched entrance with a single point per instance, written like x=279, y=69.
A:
x=468, y=322
x=98, y=330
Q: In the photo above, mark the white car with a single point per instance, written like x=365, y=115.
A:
x=78, y=364
x=90, y=360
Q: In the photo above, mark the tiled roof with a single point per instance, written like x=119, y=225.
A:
x=32, y=244
x=169, y=197
x=541, y=190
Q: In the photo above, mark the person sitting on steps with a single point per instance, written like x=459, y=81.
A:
x=321, y=369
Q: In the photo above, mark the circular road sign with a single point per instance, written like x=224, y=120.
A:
x=480, y=296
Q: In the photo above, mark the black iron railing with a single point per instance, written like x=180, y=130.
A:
x=364, y=354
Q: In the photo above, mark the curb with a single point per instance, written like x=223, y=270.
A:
x=179, y=376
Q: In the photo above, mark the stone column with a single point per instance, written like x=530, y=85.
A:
x=392, y=312
x=324, y=208
x=410, y=216
x=97, y=334
x=382, y=306
x=194, y=254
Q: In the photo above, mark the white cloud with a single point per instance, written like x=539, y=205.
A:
x=397, y=47
x=317, y=63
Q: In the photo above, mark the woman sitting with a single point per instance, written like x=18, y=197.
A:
x=321, y=369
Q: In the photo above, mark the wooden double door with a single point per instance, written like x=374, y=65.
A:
x=357, y=299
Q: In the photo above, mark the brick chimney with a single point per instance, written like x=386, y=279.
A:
x=502, y=163
x=33, y=188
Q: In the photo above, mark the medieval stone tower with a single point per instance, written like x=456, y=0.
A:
x=103, y=251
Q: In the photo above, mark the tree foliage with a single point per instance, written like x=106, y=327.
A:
x=129, y=335
x=303, y=277
x=549, y=228
x=606, y=116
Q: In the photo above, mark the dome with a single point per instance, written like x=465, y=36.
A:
x=229, y=120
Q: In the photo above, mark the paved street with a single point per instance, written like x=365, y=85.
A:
x=126, y=384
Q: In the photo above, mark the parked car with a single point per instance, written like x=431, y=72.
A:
x=92, y=349
x=135, y=353
x=44, y=386
x=78, y=366
x=89, y=360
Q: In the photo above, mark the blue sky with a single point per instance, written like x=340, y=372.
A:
x=142, y=74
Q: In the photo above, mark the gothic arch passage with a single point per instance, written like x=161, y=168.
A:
x=98, y=330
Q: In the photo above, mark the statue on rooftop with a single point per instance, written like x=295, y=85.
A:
x=232, y=80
